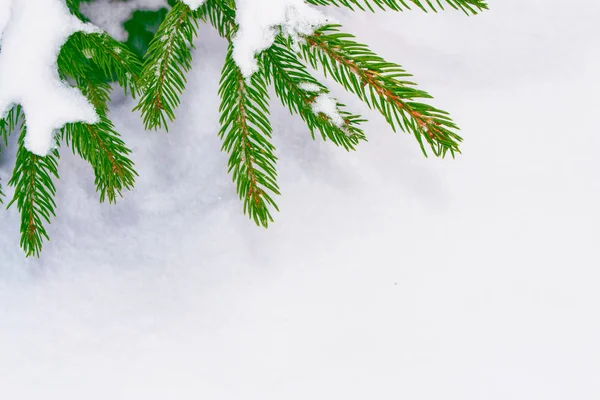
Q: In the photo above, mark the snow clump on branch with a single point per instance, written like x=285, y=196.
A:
x=261, y=20
x=32, y=33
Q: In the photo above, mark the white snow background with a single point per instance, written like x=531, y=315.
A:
x=385, y=276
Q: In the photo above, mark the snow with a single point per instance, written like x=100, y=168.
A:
x=194, y=4
x=310, y=87
x=111, y=14
x=323, y=103
x=386, y=275
x=33, y=32
x=259, y=22
x=328, y=106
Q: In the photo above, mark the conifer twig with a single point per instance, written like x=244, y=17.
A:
x=245, y=131
x=382, y=86
x=34, y=194
x=7, y=125
x=288, y=75
x=467, y=6
x=100, y=55
x=167, y=60
x=100, y=145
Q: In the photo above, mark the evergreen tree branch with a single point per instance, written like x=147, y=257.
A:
x=167, y=60
x=220, y=14
x=288, y=75
x=97, y=92
x=467, y=6
x=34, y=194
x=112, y=58
x=245, y=131
x=8, y=124
x=101, y=146
x=382, y=86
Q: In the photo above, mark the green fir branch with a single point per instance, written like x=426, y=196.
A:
x=96, y=90
x=34, y=194
x=287, y=75
x=116, y=61
x=382, y=86
x=467, y=6
x=167, y=60
x=101, y=146
x=220, y=14
x=245, y=131
x=112, y=58
x=8, y=124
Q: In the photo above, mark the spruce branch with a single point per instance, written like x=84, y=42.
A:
x=110, y=59
x=467, y=6
x=34, y=194
x=220, y=14
x=96, y=90
x=8, y=124
x=167, y=60
x=245, y=131
x=288, y=75
x=382, y=86
x=101, y=146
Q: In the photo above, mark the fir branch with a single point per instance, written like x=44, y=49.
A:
x=34, y=194
x=97, y=91
x=382, y=86
x=167, y=60
x=245, y=131
x=287, y=75
x=467, y=6
x=220, y=14
x=101, y=146
x=8, y=124
x=112, y=58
